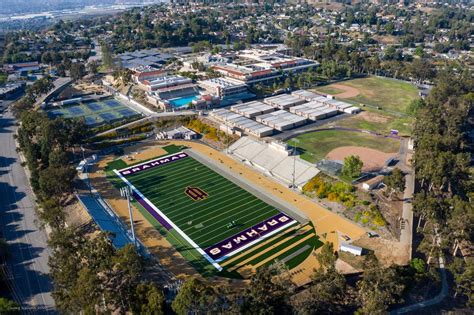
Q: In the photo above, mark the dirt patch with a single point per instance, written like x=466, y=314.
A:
x=136, y=157
x=348, y=91
x=388, y=252
x=373, y=159
x=372, y=117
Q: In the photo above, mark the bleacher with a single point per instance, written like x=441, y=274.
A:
x=274, y=161
x=106, y=221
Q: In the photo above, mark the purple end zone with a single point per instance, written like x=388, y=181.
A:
x=151, y=211
x=152, y=164
x=247, y=236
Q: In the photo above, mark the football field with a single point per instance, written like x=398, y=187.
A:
x=212, y=213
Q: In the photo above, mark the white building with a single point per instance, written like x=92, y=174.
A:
x=252, y=109
x=281, y=120
x=223, y=87
x=242, y=123
x=177, y=133
x=348, y=248
x=283, y=101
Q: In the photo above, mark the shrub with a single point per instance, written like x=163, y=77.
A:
x=357, y=216
x=418, y=264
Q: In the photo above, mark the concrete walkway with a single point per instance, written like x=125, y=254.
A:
x=406, y=232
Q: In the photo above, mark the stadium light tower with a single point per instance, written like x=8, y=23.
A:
x=294, y=163
x=127, y=192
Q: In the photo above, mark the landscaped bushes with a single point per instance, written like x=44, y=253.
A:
x=337, y=191
x=209, y=132
x=345, y=194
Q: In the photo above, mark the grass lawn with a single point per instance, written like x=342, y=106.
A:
x=380, y=123
x=389, y=94
x=314, y=146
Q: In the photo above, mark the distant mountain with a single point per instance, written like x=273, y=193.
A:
x=35, y=6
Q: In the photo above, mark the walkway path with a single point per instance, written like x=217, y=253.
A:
x=406, y=233
x=437, y=299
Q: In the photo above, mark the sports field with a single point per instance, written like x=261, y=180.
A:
x=316, y=145
x=388, y=94
x=213, y=214
x=95, y=113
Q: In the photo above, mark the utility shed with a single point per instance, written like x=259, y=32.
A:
x=246, y=124
x=281, y=120
x=348, y=248
x=305, y=95
x=373, y=183
x=352, y=110
x=252, y=109
x=283, y=101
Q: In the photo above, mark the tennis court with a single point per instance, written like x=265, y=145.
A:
x=95, y=112
x=213, y=214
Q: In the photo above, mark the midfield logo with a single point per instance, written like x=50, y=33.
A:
x=196, y=193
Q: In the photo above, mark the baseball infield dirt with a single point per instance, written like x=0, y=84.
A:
x=348, y=91
x=373, y=159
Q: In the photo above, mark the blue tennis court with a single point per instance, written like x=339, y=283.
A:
x=56, y=113
x=94, y=106
x=75, y=111
x=113, y=103
x=95, y=112
x=107, y=116
x=126, y=112
x=89, y=120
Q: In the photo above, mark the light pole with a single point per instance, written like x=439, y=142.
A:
x=294, y=161
x=127, y=193
x=86, y=169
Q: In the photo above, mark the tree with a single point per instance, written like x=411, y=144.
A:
x=389, y=28
x=148, y=299
x=88, y=273
x=395, y=181
x=418, y=264
x=325, y=295
x=56, y=181
x=107, y=55
x=419, y=51
x=379, y=288
x=414, y=106
x=326, y=256
x=266, y=294
x=93, y=67
x=77, y=71
x=9, y=307
x=193, y=297
x=352, y=167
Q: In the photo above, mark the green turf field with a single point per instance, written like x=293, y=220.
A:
x=204, y=221
x=316, y=145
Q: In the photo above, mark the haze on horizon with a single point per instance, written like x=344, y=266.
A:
x=8, y=7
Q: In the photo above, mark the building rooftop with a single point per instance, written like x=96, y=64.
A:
x=283, y=101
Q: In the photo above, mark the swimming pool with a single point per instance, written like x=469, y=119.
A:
x=182, y=101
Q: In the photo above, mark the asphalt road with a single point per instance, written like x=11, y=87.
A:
x=28, y=252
